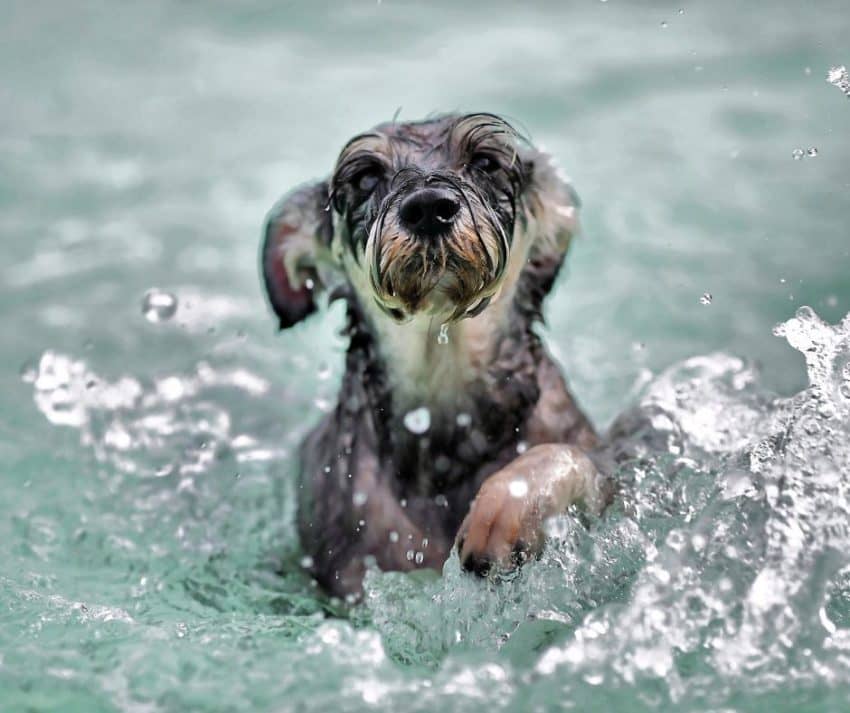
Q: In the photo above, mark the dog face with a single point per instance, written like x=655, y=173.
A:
x=429, y=217
x=427, y=212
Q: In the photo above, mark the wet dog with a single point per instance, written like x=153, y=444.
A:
x=453, y=427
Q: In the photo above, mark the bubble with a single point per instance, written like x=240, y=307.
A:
x=463, y=420
x=441, y=501
x=706, y=298
x=812, y=151
x=393, y=536
x=797, y=154
x=443, y=336
x=419, y=558
x=676, y=540
x=158, y=305
x=409, y=555
x=306, y=562
x=359, y=499
x=521, y=447
x=324, y=371
x=418, y=420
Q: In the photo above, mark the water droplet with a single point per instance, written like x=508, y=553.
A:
x=424, y=542
x=676, y=540
x=681, y=11
x=393, y=536
x=797, y=154
x=409, y=555
x=463, y=420
x=306, y=562
x=706, y=298
x=518, y=488
x=664, y=24
x=420, y=558
x=440, y=501
x=418, y=420
x=443, y=336
x=812, y=151
x=521, y=447
x=359, y=499
x=158, y=305
x=324, y=405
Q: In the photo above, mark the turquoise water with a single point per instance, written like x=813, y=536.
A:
x=147, y=552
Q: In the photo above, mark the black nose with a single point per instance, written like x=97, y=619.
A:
x=428, y=212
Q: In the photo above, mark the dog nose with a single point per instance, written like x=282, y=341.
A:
x=428, y=212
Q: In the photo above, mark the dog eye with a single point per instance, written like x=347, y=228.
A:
x=365, y=181
x=485, y=163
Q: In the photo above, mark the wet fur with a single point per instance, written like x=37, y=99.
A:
x=370, y=489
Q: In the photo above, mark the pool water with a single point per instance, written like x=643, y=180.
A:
x=148, y=559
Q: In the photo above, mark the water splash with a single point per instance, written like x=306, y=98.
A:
x=722, y=571
x=838, y=77
x=153, y=429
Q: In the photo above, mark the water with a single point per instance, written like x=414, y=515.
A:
x=147, y=551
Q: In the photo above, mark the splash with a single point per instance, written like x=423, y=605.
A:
x=722, y=572
x=719, y=579
x=151, y=429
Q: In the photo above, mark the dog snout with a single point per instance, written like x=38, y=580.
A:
x=429, y=212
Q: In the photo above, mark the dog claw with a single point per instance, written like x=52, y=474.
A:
x=480, y=566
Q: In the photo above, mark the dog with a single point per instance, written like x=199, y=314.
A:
x=454, y=426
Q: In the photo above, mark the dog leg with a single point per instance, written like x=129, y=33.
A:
x=505, y=521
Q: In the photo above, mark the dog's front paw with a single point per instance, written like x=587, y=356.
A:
x=504, y=526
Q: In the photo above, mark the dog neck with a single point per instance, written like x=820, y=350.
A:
x=432, y=364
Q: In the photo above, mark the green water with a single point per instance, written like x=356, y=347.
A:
x=147, y=554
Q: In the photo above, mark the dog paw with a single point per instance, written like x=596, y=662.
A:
x=504, y=526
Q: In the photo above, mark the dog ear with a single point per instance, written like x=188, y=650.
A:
x=299, y=230
x=553, y=204
x=552, y=220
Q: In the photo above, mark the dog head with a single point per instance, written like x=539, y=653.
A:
x=434, y=217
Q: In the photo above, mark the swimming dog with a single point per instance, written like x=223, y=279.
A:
x=454, y=426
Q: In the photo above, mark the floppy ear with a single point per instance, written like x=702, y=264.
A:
x=551, y=206
x=298, y=234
